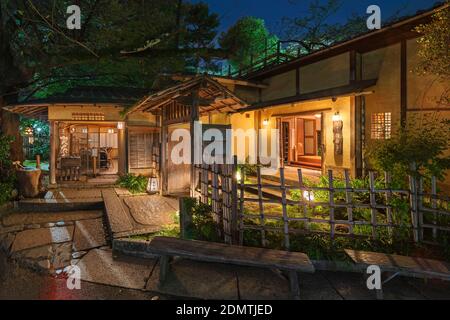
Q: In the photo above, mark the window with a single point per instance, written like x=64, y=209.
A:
x=88, y=116
x=140, y=150
x=381, y=126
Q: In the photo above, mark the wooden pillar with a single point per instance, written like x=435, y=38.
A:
x=163, y=164
x=403, y=86
x=195, y=114
x=53, y=137
x=122, y=152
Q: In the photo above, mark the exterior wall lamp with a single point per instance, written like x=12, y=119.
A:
x=120, y=125
x=265, y=122
x=338, y=140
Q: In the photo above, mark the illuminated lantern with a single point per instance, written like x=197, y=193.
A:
x=153, y=185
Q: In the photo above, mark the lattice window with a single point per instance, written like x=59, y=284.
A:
x=140, y=150
x=381, y=126
x=88, y=116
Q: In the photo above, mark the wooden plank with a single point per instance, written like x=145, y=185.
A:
x=118, y=220
x=237, y=255
x=388, y=262
x=403, y=83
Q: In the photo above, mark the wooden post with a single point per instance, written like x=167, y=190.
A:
x=163, y=156
x=261, y=208
x=53, y=133
x=94, y=166
x=284, y=208
x=434, y=204
x=122, y=164
x=38, y=161
x=349, y=201
x=234, y=202
x=373, y=204
x=332, y=206
x=194, y=118
x=388, y=196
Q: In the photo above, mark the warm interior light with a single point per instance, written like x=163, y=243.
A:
x=266, y=122
x=318, y=116
x=120, y=125
x=337, y=117
x=238, y=176
x=308, y=195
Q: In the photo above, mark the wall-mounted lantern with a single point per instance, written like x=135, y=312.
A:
x=120, y=125
x=265, y=122
x=338, y=140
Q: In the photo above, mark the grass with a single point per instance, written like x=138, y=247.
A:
x=32, y=163
x=170, y=230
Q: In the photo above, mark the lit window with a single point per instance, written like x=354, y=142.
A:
x=381, y=126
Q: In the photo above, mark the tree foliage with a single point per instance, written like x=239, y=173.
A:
x=313, y=30
x=247, y=38
x=44, y=56
x=434, y=49
x=419, y=148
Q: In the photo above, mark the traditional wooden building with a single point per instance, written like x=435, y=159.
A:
x=327, y=106
x=89, y=135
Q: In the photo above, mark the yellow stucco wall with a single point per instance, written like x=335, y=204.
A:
x=387, y=95
x=424, y=91
x=341, y=105
x=59, y=112
x=325, y=74
x=282, y=85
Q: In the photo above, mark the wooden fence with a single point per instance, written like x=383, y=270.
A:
x=217, y=187
x=339, y=209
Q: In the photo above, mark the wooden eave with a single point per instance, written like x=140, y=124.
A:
x=353, y=89
x=213, y=97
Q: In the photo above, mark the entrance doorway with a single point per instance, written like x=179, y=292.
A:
x=302, y=140
x=87, y=150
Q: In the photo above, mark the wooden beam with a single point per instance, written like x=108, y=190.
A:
x=163, y=164
x=53, y=135
x=404, y=84
x=195, y=114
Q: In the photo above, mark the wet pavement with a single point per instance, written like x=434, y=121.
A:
x=17, y=283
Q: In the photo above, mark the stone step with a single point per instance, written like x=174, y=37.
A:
x=60, y=205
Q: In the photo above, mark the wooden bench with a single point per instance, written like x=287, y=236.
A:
x=400, y=266
x=290, y=262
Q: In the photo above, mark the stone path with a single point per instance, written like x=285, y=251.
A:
x=132, y=215
x=49, y=242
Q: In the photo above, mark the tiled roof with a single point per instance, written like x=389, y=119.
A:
x=93, y=94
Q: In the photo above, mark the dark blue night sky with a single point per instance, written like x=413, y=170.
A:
x=272, y=11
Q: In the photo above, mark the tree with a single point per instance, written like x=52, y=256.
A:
x=313, y=32
x=246, y=39
x=199, y=32
x=40, y=56
x=434, y=49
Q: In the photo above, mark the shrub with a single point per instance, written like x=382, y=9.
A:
x=203, y=226
x=133, y=183
x=417, y=149
x=7, y=174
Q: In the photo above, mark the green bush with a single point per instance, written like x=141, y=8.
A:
x=417, y=149
x=7, y=174
x=203, y=226
x=134, y=184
